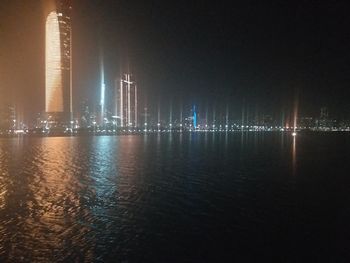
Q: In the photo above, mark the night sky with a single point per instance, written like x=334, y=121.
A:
x=208, y=53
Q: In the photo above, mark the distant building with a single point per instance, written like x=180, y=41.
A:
x=324, y=123
x=8, y=121
x=306, y=123
x=324, y=113
x=268, y=121
x=58, y=57
x=84, y=115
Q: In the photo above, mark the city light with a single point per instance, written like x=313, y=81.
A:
x=53, y=58
x=174, y=131
x=122, y=109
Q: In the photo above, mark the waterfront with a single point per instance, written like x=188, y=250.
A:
x=175, y=197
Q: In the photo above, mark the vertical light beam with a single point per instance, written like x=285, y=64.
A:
x=121, y=103
x=194, y=117
x=136, y=105
x=129, y=100
x=103, y=87
x=71, y=75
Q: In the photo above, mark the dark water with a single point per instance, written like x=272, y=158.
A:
x=176, y=198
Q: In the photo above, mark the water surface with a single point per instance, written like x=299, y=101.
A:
x=175, y=197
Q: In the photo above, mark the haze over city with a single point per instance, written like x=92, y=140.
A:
x=206, y=54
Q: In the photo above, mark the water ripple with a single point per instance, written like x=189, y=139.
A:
x=135, y=198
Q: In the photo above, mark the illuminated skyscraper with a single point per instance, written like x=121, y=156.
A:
x=128, y=106
x=58, y=59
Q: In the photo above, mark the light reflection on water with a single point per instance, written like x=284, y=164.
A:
x=145, y=197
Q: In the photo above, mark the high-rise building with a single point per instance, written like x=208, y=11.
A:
x=128, y=102
x=324, y=121
x=85, y=120
x=8, y=119
x=58, y=59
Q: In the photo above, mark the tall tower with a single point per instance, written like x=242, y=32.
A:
x=128, y=102
x=58, y=59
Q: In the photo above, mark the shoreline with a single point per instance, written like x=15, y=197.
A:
x=125, y=133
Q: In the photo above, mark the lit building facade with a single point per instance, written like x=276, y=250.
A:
x=58, y=59
x=127, y=102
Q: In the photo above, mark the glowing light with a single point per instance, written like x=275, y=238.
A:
x=294, y=134
x=103, y=88
x=194, y=117
x=53, y=59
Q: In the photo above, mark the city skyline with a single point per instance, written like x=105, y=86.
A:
x=170, y=75
x=174, y=131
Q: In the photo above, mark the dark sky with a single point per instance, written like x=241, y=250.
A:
x=190, y=52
